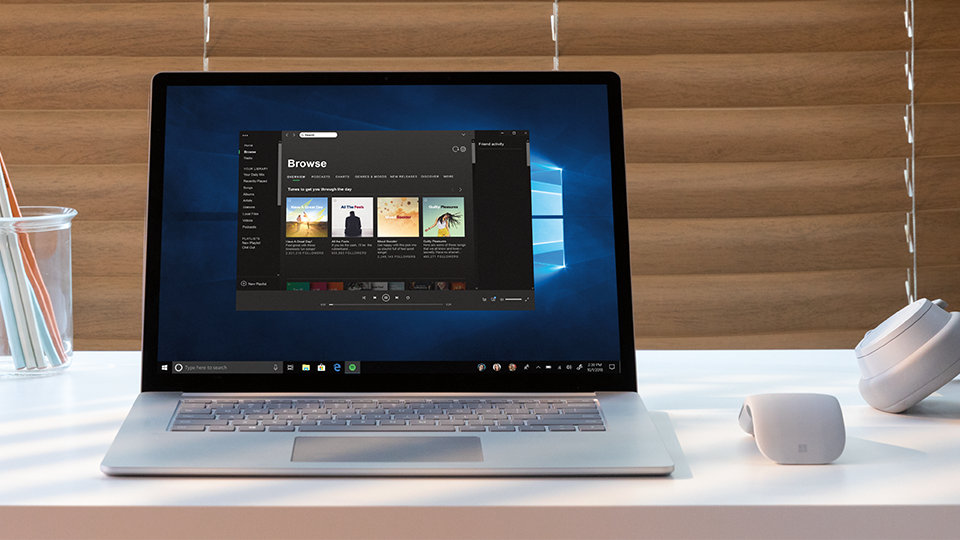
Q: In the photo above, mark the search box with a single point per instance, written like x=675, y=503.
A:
x=318, y=134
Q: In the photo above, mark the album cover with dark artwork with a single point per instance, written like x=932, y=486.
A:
x=351, y=217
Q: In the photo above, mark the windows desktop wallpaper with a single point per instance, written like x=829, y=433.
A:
x=574, y=267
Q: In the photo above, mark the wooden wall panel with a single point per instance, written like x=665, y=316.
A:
x=937, y=22
x=756, y=80
x=103, y=192
x=620, y=28
x=769, y=134
x=940, y=185
x=938, y=234
x=107, y=248
x=82, y=82
x=769, y=189
x=749, y=304
x=938, y=129
x=107, y=308
x=768, y=244
x=381, y=29
x=938, y=75
x=129, y=29
x=940, y=282
x=433, y=63
x=34, y=137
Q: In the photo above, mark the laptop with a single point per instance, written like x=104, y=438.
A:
x=387, y=274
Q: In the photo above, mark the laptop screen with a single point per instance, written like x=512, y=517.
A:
x=357, y=231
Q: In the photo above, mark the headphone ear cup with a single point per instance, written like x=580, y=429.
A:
x=912, y=364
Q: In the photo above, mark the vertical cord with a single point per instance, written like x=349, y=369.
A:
x=554, y=24
x=913, y=144
x=206, y=34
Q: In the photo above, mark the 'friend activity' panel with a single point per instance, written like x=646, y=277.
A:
x=384, y=220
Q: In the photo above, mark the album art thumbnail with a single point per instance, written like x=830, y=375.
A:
x=458, y=285
x=334, y=285
x=395, y=286
x=351, y=217
x=379, y=285
x=298, y=285
x=443, y=217
x=307, y=217
x=357, y=286
x=420, y=285
x=318, y=285
x=398, y=217
x=441, y=285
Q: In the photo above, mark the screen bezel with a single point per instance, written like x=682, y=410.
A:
x=152, y=379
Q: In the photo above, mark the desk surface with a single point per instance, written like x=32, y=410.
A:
x=898, y=476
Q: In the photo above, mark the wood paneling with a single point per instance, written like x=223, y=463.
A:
x=381, y=29
x=822, y=338
x=938, y=129
x=130, y=29
x=789, y=188
x=939, y=184
x=83, y=82
x=619, y=28
x=435, y=63
x=937, y=22
x=940, y=282
x=768, y=244
x=746, y=304
x=103, y=192
x=938, y=75
x=107, y=308
x=938, y=234
x=772, y=134
x=74, y=137
x=107, y=248
x=756, y=80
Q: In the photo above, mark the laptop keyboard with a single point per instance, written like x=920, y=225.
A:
x=456, y=415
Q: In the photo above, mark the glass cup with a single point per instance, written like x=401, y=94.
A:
x=36, y=328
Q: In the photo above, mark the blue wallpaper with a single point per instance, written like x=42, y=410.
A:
x=576, y=303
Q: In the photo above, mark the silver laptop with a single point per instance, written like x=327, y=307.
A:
x=387, y=274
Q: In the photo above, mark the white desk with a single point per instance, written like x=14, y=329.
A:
x=898, y=477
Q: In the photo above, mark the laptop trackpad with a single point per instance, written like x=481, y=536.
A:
x=381, y=449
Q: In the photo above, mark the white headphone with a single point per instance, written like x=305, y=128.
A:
x=909, y=356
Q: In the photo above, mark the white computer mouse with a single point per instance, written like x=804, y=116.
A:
x=795, y=429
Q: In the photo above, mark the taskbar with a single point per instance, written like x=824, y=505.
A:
x=358, y=367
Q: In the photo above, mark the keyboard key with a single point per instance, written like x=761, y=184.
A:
x=281, y=428
x=563, y=422
x=532, y=428
x=222, y=428
x=250, y=428
x=471, y=428
x=377, y=428
x=593, y=428
x=563, y=428
x=192, y=422
x=187, y=428
x=502, y=428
